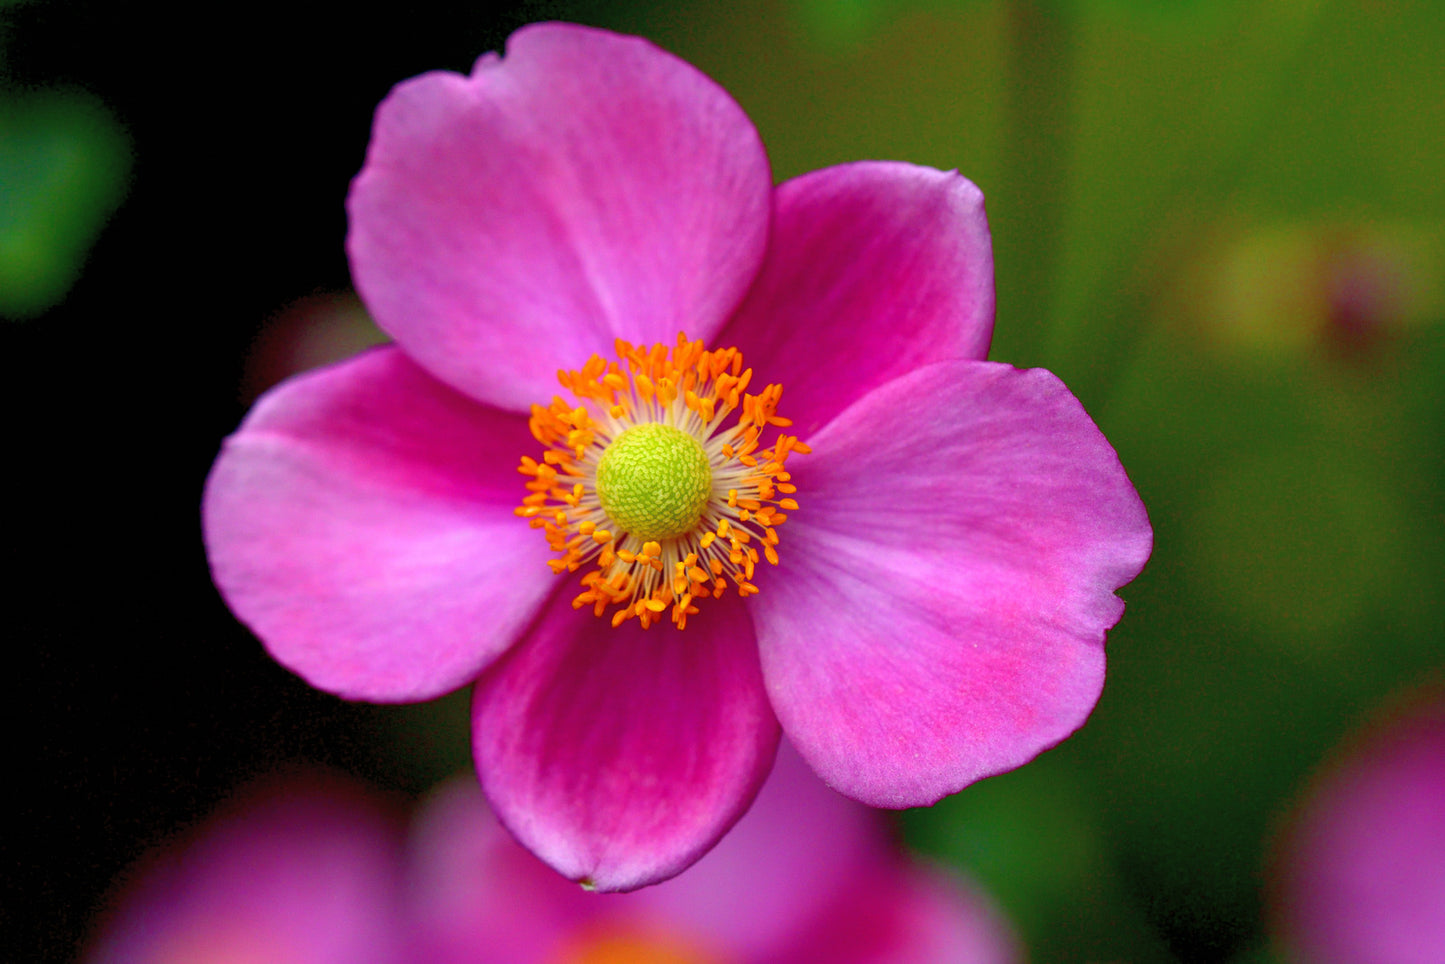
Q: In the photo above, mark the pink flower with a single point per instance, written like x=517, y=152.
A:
x=302, y=872
x=955, y=528
x=1363, y=869
x=806, y=875
x=314, y=874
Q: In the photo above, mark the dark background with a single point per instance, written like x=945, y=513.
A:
x=139, y=702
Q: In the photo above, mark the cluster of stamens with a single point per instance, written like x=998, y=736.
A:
x=640, y=475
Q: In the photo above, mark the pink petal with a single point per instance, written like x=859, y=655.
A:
x=874, y=269
x=1364, y=873
x=777, y=872
x=475, y=895
x=940, y=612
x=585, y=187
x=906, y=914
x=360, y=522
x=941, y=918
x=304, y=872
x=619, y=756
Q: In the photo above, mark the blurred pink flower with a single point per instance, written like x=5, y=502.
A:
x=1363, y=869
x=939, y=610
x=300, y=872
x=806, y=875
x=314, y=876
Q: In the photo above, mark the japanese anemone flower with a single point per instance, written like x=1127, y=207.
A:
x=932, y=613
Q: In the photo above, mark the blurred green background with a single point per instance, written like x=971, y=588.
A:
x=1222, y=223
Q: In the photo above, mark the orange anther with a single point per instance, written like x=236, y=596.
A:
x=560, y=496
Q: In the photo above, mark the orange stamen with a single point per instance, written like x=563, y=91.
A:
x=695, y=391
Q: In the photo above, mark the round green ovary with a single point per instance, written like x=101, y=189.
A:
x=653, y=482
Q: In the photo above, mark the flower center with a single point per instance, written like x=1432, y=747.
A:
x=643, y=476
x=654, y=481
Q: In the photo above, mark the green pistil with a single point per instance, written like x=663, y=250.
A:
x=654, y=481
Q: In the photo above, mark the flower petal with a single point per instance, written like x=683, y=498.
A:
x=874, y=268
x=475, y=895
x=942, y=604
x=587, y=186
x=360, y=522
x=809, y=875
x=1363, y=877
x=907, y=914
x=942, y=918
x=619, y=756
x=776, y=873
x=302, y=870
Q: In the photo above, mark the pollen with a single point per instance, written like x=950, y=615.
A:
x=661, y=478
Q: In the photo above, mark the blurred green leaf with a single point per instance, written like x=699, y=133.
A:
x=64, y=164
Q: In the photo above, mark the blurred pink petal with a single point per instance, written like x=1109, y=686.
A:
x=779, y=870
x=303, y=873
x=311, y=872
x=906, y=915
x=806, y=875
x=1364, y=866
x=475, y=895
